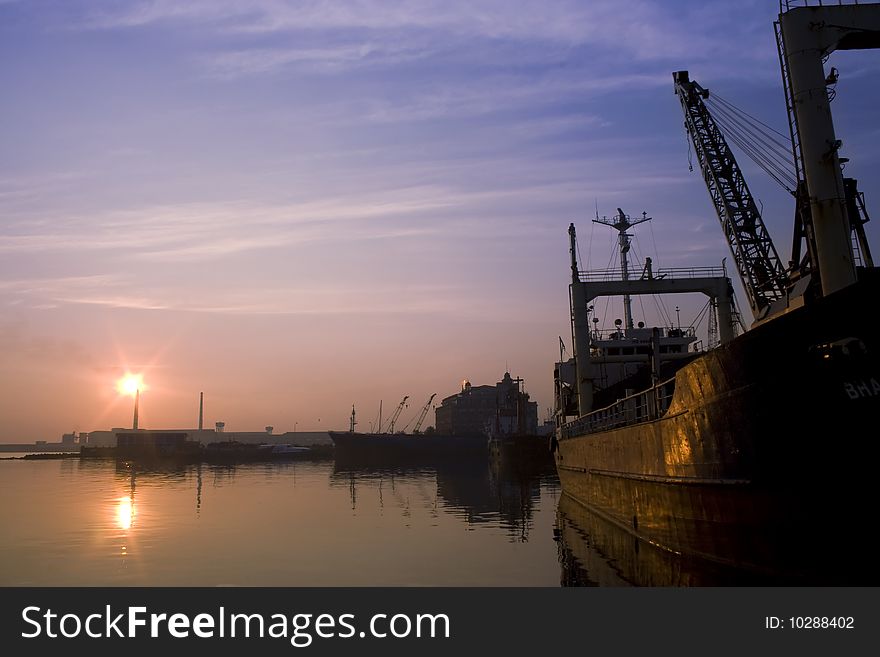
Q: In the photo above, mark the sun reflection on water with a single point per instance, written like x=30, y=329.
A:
x=124, y=513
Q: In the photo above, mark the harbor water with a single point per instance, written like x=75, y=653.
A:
x=464, y=522
x=297, y=523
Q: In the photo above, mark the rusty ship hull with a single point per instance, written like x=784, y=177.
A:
x=763, y=459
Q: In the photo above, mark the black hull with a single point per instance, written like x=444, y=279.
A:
x=246, y=457
x=534, y=449
x=146, y=454
x=424, y=448
x=769, y=443
x=209, y=455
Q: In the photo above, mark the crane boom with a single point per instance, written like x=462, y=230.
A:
x=397, y=413
x=757, y=261
x=422, y=415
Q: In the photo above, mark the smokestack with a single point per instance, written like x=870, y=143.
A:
x=201, y=408
x=137, y=397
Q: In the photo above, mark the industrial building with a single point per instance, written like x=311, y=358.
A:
x=500, y=410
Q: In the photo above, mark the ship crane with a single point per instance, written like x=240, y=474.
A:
x=397, y=411
x=423, y=414
x=757, y=261
x=857, y=215
x=830, y=211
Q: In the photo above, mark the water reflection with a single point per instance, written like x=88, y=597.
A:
x=345, y=523
x=501, y=492
x=593, y=551
x=124, y=512
x=304, y=523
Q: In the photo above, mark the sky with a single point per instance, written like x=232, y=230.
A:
x=299, y=206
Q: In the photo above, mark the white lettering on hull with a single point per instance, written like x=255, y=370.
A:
x=862, y=388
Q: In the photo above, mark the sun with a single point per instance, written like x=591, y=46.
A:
x=130, y=384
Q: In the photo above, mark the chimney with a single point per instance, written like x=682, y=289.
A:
x=201, y=408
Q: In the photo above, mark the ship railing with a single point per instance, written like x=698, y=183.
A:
x=785, y=5
x=635, y=409
x=620, y=334
x=605, y=275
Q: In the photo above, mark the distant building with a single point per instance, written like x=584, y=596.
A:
x=68, y=439
x=112, y=438
x=500, y=410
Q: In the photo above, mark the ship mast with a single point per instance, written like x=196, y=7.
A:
x=586, y=286
x=622, y=223
x=580, y=331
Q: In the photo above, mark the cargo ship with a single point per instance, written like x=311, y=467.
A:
x=755, y=454
x=405, y=443
x=476, y=420
x=384, y=445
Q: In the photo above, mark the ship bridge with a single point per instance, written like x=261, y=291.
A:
x=604, y=359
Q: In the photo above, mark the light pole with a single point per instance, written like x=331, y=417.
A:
x=294, y=426
x=131, y=384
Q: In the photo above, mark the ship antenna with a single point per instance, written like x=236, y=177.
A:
x=621, y=223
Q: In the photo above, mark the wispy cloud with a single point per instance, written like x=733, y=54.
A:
x=492, y=95
x=389, y=201
x=387, y=32
x=565, y=20
x=343, y=57
x=358, y=299
x=54, y=285
x=207, y=230
x=315, y=298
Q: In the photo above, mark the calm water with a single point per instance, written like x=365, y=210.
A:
x=328, y=523
x=73, y=522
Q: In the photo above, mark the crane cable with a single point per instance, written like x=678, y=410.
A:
x=661, y=307
x=770, y=159
x=763, y=144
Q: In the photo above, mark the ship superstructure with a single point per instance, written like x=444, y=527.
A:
x=607, y=364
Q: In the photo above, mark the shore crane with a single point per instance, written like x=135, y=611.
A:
x=423, y=414
x=397, y=411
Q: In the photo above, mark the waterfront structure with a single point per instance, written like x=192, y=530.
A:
x=205, y=436
x=500, y=410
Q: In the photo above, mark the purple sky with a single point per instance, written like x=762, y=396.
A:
x=297, y=206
